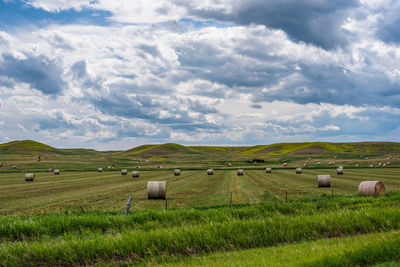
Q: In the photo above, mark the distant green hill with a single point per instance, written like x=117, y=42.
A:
x=25, y=146
x=176, y=151
x=164, y=150
x=32, y=147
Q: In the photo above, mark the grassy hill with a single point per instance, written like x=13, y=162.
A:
x=25, y=146
x=23, y=155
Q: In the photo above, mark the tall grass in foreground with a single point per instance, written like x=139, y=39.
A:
x=37, y=227
x=143, y=245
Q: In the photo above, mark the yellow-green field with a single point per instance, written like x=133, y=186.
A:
x=108, y=191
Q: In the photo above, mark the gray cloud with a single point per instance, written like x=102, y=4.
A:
x=316, y=22
x=42, y=73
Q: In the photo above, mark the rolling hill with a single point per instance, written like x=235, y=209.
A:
x=177, y=151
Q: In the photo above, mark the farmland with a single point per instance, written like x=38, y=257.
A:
x=108, y=191
x=276, y=219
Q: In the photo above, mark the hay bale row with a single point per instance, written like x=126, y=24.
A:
x=156, y=189
x=210, y=172
x=240, y=172
x=29, y=177
x=268, y=170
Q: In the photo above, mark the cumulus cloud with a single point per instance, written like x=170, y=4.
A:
x=151, y=76
x=42, y=73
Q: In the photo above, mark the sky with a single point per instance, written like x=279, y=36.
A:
x=112, y=75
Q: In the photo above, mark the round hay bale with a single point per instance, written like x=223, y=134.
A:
x=380, y=164
x=285, y=164
x=135, y=174
x=366, y=158
x=38, y=159
x=56, y=172
x=109, y=167
x=239, y=172
x=268, y=170
x=100, y=169
x=388, y=163
x=357, y=165
x=323, y=180
x=298, y=170
x=156, y=189
x=160, y=166
x=137, y=167
x=14, y=167
x=29, y=177
x=305, y=165
x=177, y=172
x=371, y=166
x=384, y=165
x=339, y=171
x=371, y=188
x=51, y=169
x=318, y=163
x=124, y=172
x=210, y=172
x=229, y=164
x=335, y=157
x=309, y=159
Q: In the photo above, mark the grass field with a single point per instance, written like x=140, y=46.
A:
x=76, y=218
x=108, y=191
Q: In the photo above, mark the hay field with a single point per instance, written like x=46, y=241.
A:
x=109, y=191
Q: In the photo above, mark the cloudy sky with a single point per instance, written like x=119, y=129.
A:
x=116, y=74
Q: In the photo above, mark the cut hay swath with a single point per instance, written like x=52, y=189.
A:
x=323, y=180
x=156, y=189
x=29, y=177
x=371, y=188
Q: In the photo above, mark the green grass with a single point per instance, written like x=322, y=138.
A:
x=344, y=251
x=148, y=236
x=76, y=218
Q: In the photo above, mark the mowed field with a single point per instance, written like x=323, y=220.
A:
x=109, y=191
